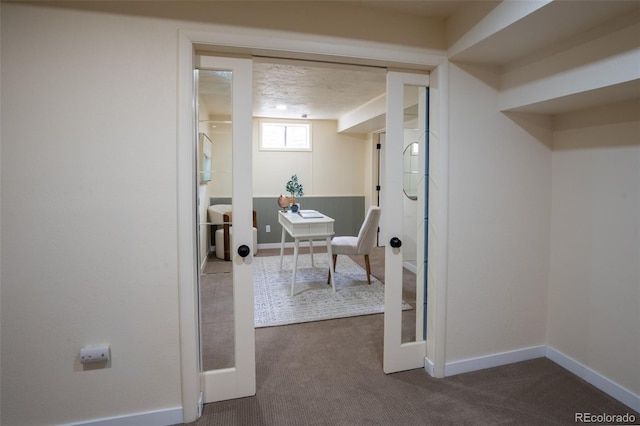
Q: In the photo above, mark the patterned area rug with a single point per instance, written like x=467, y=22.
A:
x=313, y=300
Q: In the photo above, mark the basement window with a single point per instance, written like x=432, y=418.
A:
x=285, y=135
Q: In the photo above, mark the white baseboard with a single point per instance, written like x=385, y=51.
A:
x=585, y=373
x=596, y=379
x=410, y=267
x=494, y=360
x=174, y=415
x=429, y=366
x=166, y=417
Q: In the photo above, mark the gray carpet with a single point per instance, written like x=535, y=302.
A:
x=330, y=373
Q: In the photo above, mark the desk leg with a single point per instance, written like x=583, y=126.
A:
x=282, y=246
x=331, y=272
x=295, y=263
x=311, y=251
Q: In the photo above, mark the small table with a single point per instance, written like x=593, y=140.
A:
x=300, y=228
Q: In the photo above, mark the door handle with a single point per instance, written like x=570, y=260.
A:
x=395, y=242
x=244, y=250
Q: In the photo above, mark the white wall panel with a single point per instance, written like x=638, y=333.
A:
x=499, y=218
x=594, y=287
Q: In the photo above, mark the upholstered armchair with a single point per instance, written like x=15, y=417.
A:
x=222, y=231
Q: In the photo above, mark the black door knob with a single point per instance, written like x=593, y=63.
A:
x=395, y=242
x=244, y=251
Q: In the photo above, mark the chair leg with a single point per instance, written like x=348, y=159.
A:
x=335, y=258
x=368, y=265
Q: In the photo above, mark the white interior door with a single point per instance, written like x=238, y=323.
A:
x=404, y=221
x=232, y=91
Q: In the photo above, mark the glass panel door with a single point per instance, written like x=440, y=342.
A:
x=225, y=228
x=214, y=182
x=404, y=221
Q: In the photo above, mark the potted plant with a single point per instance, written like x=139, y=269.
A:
x=294, y=188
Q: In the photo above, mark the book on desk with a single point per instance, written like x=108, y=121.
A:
x=310, y=214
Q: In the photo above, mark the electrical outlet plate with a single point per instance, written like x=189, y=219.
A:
x=93, y=354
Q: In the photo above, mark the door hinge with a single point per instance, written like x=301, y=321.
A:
x=379, y=146
x=377, y=187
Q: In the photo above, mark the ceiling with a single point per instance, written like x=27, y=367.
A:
x=312, y=90
x=319, y=90
x=316, y=90
x=428, y=9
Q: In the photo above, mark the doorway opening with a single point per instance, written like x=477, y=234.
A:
x=308, y=82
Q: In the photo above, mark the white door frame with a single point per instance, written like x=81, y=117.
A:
x=297, y=46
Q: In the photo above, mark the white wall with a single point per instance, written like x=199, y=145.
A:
x=89, y=226
x=335, y=167
x=88, y=214
x=594, y=284
x=89, y=250
x=499, y=221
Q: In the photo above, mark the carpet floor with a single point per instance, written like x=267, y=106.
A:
x=330, y=373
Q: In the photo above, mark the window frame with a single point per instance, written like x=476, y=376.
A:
x=285, y=123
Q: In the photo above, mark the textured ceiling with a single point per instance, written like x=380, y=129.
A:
x=317, y=90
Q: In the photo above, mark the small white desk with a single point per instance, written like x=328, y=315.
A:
x=305, y=229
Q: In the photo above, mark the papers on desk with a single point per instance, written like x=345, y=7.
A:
x=310, y=214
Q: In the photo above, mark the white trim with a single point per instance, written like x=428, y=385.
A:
x=494, y=360
x=590, y=376
x=240, y=40
x=442, y=256
x=429, y=366
x=247, y=40
x=410, y=267
x=606, y=385
x=186, y=193
x=169, y=416
x=204, y=261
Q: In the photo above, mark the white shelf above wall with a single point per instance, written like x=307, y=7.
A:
x=577, y=55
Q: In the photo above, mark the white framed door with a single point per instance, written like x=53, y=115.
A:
x=403, y=220
x=233, y=76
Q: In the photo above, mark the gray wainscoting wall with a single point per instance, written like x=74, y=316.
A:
x=348, y=212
